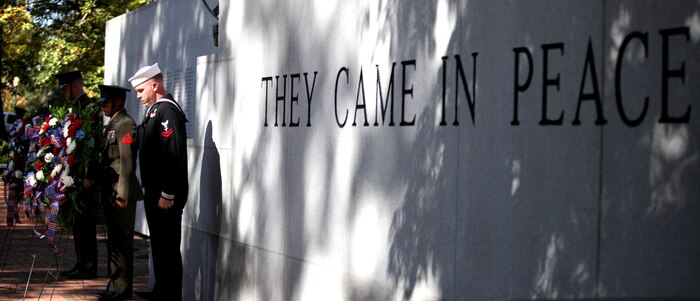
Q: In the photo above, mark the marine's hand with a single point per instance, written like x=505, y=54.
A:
x=164, y=203
x=120, y=203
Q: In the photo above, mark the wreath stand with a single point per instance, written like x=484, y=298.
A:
x=35, y=236
x=53, y=274
x=7, y=240
x=5, y=247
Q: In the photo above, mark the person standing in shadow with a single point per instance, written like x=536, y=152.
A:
x=84, y=225
x=120, y=192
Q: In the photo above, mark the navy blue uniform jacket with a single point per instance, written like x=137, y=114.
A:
x=163, y=150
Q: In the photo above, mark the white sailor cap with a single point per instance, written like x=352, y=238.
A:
x=144, y=74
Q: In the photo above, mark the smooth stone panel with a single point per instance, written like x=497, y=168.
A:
x=649, y=238
x=529, y=192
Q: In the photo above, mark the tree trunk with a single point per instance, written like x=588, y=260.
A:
x=3, y=131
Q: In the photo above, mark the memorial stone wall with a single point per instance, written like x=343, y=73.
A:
x=431, y=150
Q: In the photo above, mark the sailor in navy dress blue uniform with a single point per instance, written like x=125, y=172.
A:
x=164, y=177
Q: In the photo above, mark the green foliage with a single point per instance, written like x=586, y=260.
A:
x=43, y=38
x=19, y=45
x=4, y=151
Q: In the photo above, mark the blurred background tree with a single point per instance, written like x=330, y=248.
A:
x=43, y=38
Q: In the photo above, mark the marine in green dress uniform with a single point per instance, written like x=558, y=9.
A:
x=120, y=192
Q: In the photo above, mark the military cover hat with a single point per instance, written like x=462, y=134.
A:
x=111, y=92
x=65, y=78
x=144, y=74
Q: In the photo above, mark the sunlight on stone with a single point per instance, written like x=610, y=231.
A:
x=671, y=142
x=326, y=225
x=515, y=171
x=248, y=294
x=617, y=32
x=693, y=22
x=317, y=284
x=324, y=10
x=430, y=282
x=433, y=163
x=581, y=274
x=246, y=143
x=369, y=37
x=274, y=156
x=235, y=21
x=346, y=154
x=248, y=113
x=317, y=183
x=445, y=23
x=379, y=41
x=367, y=239
x=544, y=282
x=315, y=169
x=635, y=53
x=669, y=162
x=247, y=213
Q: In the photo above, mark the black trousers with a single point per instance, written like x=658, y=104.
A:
x=120, y=246
x=85, y=233
x=165, y=235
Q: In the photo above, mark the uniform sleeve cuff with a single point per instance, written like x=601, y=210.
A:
x=167, y=196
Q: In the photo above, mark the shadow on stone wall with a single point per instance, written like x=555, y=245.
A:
x=201, y=249
x=420, y=250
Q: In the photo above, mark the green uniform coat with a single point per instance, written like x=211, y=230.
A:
x=119, y=180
